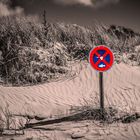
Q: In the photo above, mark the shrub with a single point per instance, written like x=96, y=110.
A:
x=32, y=52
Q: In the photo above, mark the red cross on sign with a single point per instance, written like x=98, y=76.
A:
x=101, y=58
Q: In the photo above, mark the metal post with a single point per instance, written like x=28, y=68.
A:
x=101, y=94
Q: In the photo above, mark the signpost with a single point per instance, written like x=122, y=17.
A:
x=101, y=59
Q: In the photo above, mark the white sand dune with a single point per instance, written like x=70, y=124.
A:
x=121, y=86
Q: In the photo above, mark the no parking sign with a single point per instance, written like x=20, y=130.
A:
x=101, y=58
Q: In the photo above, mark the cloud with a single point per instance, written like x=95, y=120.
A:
x=6, y=10
x=100, y=3
x=92, y=3
x=72, y=2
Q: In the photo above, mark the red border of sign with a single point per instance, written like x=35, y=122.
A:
x=94, y=50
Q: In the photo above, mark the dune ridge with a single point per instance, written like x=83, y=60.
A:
x=121, y=86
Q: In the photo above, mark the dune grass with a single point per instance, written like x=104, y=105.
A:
x=33, y=52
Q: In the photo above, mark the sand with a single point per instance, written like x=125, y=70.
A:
x=121, y=89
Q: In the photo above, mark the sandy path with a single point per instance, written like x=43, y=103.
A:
x=85, y=130
x=122, y=89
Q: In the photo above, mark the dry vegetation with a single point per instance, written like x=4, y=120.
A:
x=11, y=124
x=32, y=52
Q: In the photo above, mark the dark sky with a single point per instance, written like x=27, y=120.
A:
x=123, y=12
